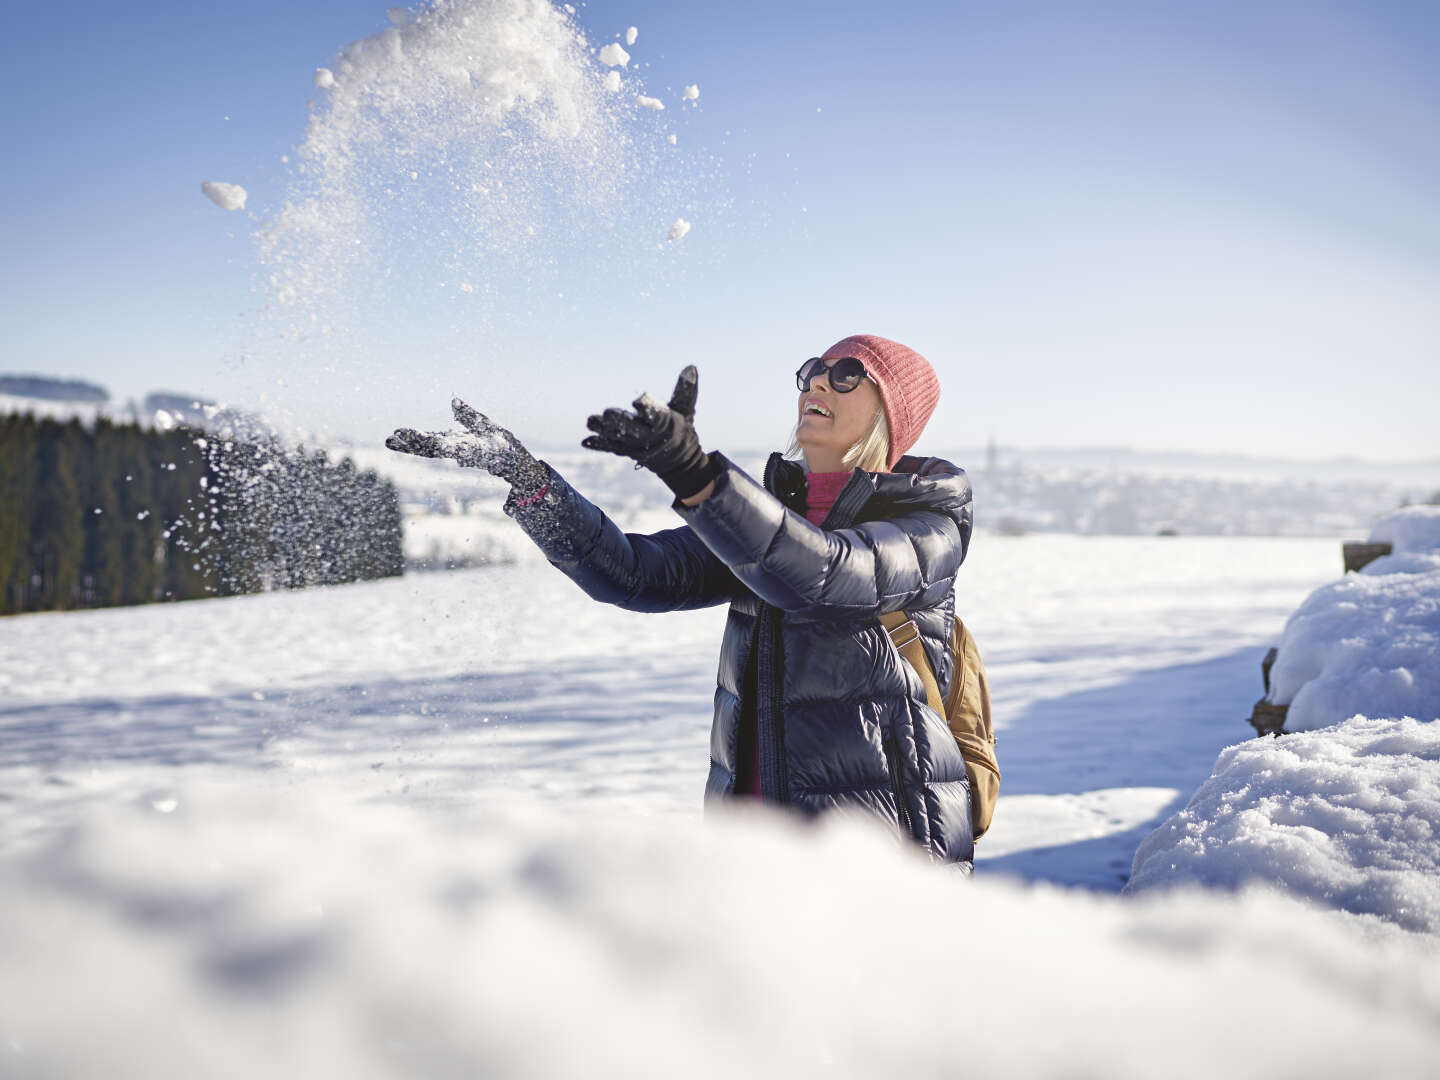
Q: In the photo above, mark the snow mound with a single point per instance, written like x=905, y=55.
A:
x=248, y=926
x=1348, y=817
x=1370, y=642
x=1413, y=529
x=226, y=196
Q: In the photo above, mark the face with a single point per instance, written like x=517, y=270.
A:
x=848, y=420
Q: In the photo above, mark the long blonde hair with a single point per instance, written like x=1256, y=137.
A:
x=870, y=452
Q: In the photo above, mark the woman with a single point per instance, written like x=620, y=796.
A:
x=814, y=707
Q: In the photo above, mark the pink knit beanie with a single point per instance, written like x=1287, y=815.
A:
x=909, y=387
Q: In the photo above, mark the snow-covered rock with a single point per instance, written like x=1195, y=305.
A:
x=1348, y=817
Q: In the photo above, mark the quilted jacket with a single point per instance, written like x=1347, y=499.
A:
x=841, y=719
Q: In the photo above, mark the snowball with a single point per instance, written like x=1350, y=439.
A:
x=324, y=78
x=613, y=55
x=612, y=81
x=679, y=229
x=692, y=91
x=650, y=103
x=630, y=35
x=226, y=196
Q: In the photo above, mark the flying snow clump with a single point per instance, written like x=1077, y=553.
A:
x=226, y=196
x=324, y=78
x=671, y=137
x=650, y=103
x=692, y=91
x=613, y=55
x=630, y=35
x=612, y=81
x=679, y=229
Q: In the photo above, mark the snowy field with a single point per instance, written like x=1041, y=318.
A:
x=450, y=825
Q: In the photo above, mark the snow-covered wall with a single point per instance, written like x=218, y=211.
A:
x=1370, y=642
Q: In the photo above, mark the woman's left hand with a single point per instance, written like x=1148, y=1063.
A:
x=660, y=437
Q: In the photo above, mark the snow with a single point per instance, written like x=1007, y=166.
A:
x=691, y=92
x=276, y=928
x=1370, y=642
x=612, y=55
x=631, y=34
x=324, y=78
x=1348, y=816
x=678, y=229
x=650, y=103
x=200, y=794
x=612, y=82
x=226, y=196
x=670, y=138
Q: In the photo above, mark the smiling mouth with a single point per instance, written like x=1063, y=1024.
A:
x=814, y=408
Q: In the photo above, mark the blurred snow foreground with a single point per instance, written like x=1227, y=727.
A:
x=281, y=930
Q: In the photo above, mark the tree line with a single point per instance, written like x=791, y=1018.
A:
x=119, y=514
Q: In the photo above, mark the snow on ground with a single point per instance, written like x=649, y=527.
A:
x=279, y=929
x=450, y=825
x=1370, y=642
x=1348, y=816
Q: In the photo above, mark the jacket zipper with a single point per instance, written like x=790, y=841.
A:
x=892, y=757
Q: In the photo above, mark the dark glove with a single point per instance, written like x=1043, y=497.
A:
x=483, y=445
x=660, y=437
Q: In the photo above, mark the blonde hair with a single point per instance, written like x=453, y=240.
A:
x=870, y=452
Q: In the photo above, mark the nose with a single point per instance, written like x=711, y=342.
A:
x=815, y=381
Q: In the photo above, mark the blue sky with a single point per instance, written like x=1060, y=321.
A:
x=1172, y=226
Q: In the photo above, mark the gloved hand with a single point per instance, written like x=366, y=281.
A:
x=660, y=437
x=483, y=445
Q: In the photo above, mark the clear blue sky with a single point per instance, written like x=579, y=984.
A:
x=1209, y=226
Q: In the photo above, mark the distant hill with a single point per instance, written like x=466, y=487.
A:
x=47, y=389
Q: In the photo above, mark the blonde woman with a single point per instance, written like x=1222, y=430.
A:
x=814, y=707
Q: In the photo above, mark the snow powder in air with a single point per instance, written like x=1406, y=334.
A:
x=631, y=34
x=650, y=103
x=613, y=55
x=679, y=229
x=692, y=92
x=226, y=196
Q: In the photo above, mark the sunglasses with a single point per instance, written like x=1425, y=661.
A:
x=844, y=374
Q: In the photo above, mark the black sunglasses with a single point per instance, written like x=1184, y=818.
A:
x=845, y=374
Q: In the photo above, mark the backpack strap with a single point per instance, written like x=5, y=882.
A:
x=906, y=636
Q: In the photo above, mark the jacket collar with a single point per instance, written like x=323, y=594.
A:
x=932, y=483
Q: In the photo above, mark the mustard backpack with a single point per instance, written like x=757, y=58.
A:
x=967, y=710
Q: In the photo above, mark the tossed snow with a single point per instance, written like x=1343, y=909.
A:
x=631, y=34
x=397, y=16
x=678, y=229
x=1347, y=816
x=650, y=103
x=612, y=82
x=691, y=92
x=226, y=196
x=670, y=138
x=1369, y=643
x=324, y=78
x=612, y=55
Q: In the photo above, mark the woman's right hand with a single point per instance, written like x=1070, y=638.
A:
x=483, y=445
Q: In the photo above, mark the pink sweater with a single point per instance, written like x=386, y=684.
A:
x=823, y=489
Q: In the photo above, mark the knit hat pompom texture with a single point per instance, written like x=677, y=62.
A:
x=909, y=387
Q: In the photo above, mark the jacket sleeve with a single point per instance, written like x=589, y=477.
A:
x=664, y=571
x=906, y=562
